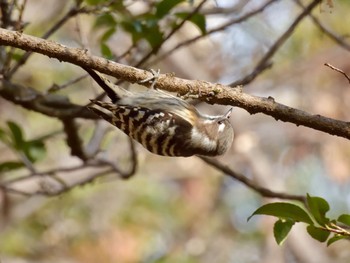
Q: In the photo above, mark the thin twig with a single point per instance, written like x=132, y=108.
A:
x=329, y=33
x=17, y=25
x=56, y=87
x=45, y=173
x=265, y=60
x=234, y=9
x=20, y=15
x=5, y=14
x=116, y=169
x=72, y=12
x=52, y=173
x=94, y=144
x=25, y=160
x=249, y=183
x=338, y=70
x=171, y=33
x=82, y=182
x=212, y=31
x=15, y=191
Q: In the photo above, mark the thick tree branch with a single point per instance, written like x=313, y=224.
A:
x=209, y=92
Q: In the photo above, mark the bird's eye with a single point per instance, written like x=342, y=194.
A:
x=220, y=121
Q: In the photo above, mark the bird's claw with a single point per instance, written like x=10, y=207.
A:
x=153, y=79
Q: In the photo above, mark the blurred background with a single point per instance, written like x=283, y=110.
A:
x=180, y=209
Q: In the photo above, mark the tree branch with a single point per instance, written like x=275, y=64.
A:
x=171, y=33
x=338, y=70
x=220, y=28
x=265, y=62
x=209, y=92
x=249, y=183
x=72, y=12
x=52, y=105
x=339, y=40
x=73, y=139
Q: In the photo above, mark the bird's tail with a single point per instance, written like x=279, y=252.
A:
x=114, y=92
x=103, y=115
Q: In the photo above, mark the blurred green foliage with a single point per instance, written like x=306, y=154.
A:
x=144, y=26
x=13, y=137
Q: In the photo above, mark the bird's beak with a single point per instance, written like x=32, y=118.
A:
x=228, y=114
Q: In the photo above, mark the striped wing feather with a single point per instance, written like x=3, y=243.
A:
x=162, y=133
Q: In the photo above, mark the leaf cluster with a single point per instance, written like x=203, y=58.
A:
x=145, y=26
x=28, y=150
x=319, y=226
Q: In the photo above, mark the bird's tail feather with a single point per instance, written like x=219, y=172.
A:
x=106, y=85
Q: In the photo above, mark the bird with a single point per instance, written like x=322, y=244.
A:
x=162, y=123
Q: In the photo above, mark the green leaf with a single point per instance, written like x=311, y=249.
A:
x=134, y=28
x=106, y=51
x=9, y=166
x=137, y=26
x=32, y=149
x=200, y=21
x=153, y=36
x=318, y=208
x=164, y=7
x=105, y=20
x=317, y=233
x=281, y=229
x=94, y=2
x=35, y=150
x=284, y=211
x=334, y=239
x=16, y=134
x=148, y=30
x=118, y=6
x=16, y=56
x=197, y=19
x=345, y=219
x=108, y=34
x=4, y=137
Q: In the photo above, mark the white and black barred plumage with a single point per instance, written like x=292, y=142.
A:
x=162, y=123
